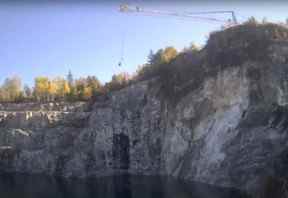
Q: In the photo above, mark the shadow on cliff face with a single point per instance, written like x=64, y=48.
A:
x=120, y=150
x=276, y=186
x=273, y=187
x=7, y=155
x=124, y=186
x=263, y=133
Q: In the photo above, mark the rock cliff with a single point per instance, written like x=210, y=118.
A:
x=226, y=125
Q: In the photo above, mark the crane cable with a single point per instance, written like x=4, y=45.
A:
x=121, y=61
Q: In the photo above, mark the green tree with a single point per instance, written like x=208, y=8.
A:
x=80, y=85
x=94, y=84
x=155, y=59
x=70, y=79
x=252, y=21
x=118, y=81
x=155, y=62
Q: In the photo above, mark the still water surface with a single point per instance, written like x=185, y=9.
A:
x=24, y=186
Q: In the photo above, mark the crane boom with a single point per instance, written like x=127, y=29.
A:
x=195, y=15
x=206, y=16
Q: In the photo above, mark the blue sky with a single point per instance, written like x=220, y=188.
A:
x=49, y=39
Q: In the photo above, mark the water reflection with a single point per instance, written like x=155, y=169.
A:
x=125, y=186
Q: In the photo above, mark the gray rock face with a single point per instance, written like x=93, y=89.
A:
x=231, y=131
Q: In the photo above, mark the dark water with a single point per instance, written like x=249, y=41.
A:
x=23, y=186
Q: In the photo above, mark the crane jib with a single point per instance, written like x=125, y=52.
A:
x=206, y=16
x=193, y=15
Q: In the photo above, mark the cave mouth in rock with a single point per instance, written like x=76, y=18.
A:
x=117, y=186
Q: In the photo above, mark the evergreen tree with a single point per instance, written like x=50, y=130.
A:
x=70, y=79
x=28, y=93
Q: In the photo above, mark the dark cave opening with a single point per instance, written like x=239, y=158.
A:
x=121, y=149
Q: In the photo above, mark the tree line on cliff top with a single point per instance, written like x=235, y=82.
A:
x=170, y=66
x=55, y=89
x=82, y=89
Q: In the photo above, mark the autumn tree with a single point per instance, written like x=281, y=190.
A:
x=58, y=89
x=162, y=56
x=11, y=89
x=62, y=88
x=41, y=88
x=155, y=61
x=169, y=54
x=2, y=95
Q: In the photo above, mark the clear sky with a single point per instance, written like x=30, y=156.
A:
x=41, y=38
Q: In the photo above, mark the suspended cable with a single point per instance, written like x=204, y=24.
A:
x=121, y=61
